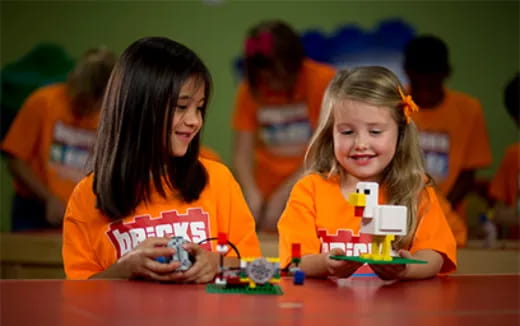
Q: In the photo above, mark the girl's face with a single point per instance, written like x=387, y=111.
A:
x=365, y=139
x=187, y=119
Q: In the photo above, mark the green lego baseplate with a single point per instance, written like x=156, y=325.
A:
x=260, y=289
x=395, y=260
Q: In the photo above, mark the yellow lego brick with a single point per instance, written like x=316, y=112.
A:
x=356, y=199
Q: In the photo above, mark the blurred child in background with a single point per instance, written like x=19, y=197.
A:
x=452, y=128
x=277, y=108
x=504, y=186
x=48, y=144
x=148, y=181
x=365, y=133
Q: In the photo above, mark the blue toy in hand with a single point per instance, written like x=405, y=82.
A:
x=180, y=255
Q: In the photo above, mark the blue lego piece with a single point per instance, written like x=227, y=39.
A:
x=299, y=277
x=162, y=259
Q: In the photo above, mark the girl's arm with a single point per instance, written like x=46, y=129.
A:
x=421, y=271
x=54, y=207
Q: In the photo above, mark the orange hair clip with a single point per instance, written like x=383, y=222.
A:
x=409, y=105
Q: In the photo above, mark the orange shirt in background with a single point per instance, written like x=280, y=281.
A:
x=92, y=242
x=318, y=217
x=51, y=140
x=283, y=127
x=454, y=138
x=505, y=184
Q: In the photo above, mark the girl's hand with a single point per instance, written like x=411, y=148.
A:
x=141, y=263
x=340, y=268
x=393, y=271
x=205, y=267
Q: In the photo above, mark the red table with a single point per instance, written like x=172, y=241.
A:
x=454, y=300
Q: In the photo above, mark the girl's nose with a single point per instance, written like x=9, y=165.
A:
x=361, y=142
x=192, y=117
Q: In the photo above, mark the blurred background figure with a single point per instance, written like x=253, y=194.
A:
x=276, y=110
x=452, y=128
x=46, y=63
x=49, y=142
x=504, y=186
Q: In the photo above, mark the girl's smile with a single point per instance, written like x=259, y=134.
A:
x=362, y=159
x=365, y=138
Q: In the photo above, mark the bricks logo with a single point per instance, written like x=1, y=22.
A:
x=192, y=226
x=345, y=240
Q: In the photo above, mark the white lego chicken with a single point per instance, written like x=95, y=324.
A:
x=383, y=222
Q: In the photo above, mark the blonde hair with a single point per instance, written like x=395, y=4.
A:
x=88, y=80
x=404, y=178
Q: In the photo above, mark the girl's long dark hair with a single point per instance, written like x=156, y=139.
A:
x=132, y=154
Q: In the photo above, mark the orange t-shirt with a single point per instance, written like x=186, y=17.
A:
x=319, y=218
x=506, y=182
x=453, y=137
x=210, y=154
x=457, y=224
x=51, y=140
x=92, y=242
x=283, y=128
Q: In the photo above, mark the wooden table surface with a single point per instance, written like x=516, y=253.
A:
x=453, y=300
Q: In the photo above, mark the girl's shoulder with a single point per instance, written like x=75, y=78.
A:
x=82, y=201
x=215, y=169
x=317, y=180
x=85, y=185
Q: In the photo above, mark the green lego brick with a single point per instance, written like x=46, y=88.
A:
x=395, y=260
x=260, y=289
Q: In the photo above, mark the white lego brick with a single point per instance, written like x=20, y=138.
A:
x=392, y=219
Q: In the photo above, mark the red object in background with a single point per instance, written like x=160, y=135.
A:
x=296, y=250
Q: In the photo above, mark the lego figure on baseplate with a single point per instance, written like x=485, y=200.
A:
x=382, y=222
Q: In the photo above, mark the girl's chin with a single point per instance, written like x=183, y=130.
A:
x=179, y=153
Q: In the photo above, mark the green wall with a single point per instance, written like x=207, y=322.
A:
x=483, y=37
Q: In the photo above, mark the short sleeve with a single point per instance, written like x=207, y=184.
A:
x=433, y=232
x=240, y=222
x=78, y=255
x=298, y=223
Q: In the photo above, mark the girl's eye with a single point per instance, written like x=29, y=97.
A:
x=182, y=107
x=375, y=132
x=200, y=108
x=346, y=132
